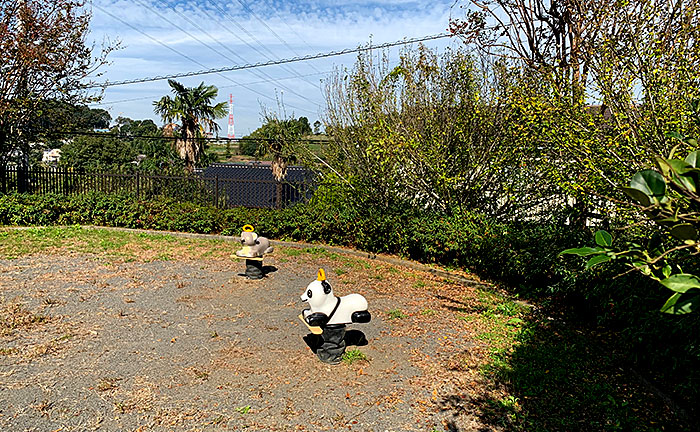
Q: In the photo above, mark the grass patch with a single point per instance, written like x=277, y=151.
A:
x=293, y=252
x=352, y=356
x=555, y=377
x=396, y=314
x=115, y=245
x=419, y=284
x=321, y=252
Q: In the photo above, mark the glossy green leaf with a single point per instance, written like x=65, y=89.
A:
x=638, y=196
x=679, y=166
x=663, y=166
x=674, y=134
x=687, y=181
x=693, y=159
x=684, y=232
x=583, y=251
x=666, y=271
x=681, y=283
x=597, y=260
x=603, y=238
x=651, y=183
x=682, y=307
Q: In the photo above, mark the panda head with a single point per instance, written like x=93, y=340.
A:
x=318, y=292
x=248, y=237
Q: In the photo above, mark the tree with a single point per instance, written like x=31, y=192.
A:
x=43, y=56
x=639, y=61
x=278, y=138
x=426, y=133
x=191, y=106
x=97, y=153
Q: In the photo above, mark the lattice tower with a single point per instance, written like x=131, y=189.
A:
x=231, y=132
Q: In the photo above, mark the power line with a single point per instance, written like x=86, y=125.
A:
x=250, y=11
x=274, y=12
x=299, y=95
x=181, y=54
x=235, y=22
x=272, y=62
x=163, y=137
x=271, y=80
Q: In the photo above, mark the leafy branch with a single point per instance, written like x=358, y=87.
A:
x=668, y=197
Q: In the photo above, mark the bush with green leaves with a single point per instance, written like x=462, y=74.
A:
x=669, y=199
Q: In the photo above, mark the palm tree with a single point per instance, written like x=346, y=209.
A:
x=192, y=107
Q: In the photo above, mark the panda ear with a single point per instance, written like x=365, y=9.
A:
x=326, y=287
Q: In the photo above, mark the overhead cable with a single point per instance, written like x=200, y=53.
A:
x=267, y=81
x=179, y=53
x=271, y=62
x=217, y=52
x=163, y=137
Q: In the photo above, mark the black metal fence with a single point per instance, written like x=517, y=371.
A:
x=218, y=191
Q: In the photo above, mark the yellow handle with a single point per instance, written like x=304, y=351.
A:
x=248, y=228
x=321, y=275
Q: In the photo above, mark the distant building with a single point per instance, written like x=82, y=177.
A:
x=51, y=156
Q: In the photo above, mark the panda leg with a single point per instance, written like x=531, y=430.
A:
x=333, y=346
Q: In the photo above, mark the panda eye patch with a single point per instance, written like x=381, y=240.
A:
x=309, y=294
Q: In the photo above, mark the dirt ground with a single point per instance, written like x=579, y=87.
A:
x=92, y=343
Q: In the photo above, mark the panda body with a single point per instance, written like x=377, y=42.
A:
x=253, y=245
x=324, y=301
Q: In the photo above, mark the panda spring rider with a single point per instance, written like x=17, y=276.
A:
x=331, y=314
x=254, y=247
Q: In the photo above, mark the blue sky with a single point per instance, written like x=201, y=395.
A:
x=161, y=37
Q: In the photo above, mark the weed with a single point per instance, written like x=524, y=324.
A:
x=354, y=355
x=14, y=317
x=121, y=407
x=291, y=251
x=340, y=271
x=218, y=420
x=7, y=351
x=419, y=284
x=396, y=314
x=243, y=409
x=321, y=252
x=428, y=312
x=509, y=308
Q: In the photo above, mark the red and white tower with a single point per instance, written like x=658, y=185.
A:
x=231, y=132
